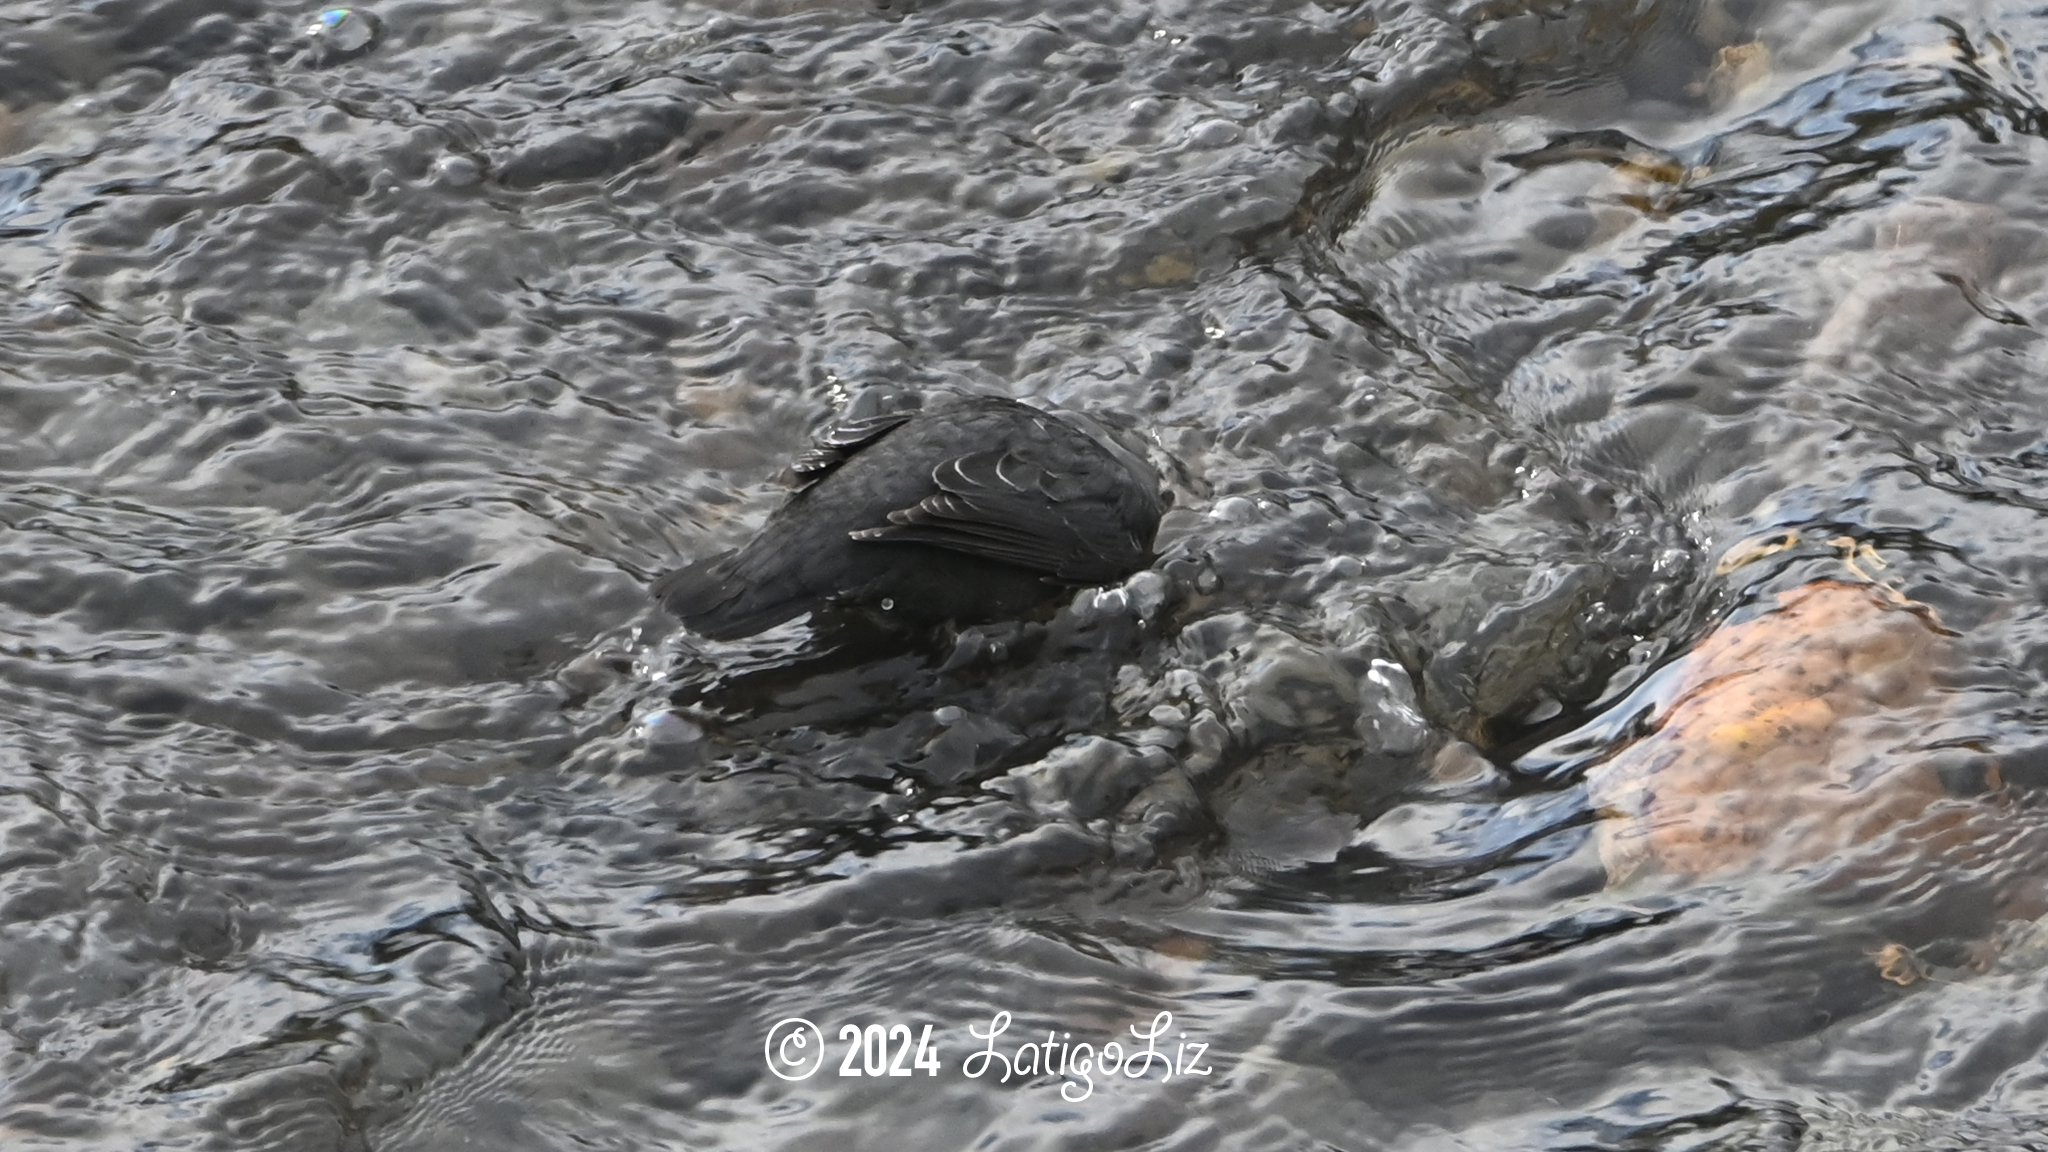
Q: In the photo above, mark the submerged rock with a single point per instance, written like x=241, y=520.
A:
x=1786, y=740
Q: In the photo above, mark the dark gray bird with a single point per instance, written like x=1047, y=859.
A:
x=967, y=508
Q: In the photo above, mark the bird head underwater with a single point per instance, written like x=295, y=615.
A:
x=948, y=507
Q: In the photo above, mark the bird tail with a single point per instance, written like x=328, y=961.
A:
x=717, y=600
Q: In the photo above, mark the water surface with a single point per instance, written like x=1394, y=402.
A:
x=353, y=795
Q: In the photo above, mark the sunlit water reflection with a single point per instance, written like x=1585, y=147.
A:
x=1509, y=363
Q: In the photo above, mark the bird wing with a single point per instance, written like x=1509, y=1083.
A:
x=836, y=444
x=1080, y=528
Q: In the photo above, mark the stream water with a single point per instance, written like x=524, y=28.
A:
x=358, y=372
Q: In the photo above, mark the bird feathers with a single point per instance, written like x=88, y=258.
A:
x=968, y=508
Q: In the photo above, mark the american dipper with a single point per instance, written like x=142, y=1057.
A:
x=966, y=508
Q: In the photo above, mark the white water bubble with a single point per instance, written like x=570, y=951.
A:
x=666, y=729
x=340, y=34
x=1214, y=134
x=457, y=171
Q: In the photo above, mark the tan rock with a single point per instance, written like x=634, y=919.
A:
x=1788, y=740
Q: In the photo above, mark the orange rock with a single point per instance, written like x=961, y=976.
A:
x=1789, y=740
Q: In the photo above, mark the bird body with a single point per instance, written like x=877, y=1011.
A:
x=968, y=508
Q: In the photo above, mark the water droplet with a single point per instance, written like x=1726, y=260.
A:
x=340, y=34
x=665, y=728
x=888, y=605
x=1214, y=134
x=457, y=171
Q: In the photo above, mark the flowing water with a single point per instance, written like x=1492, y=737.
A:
x=1589, y=695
